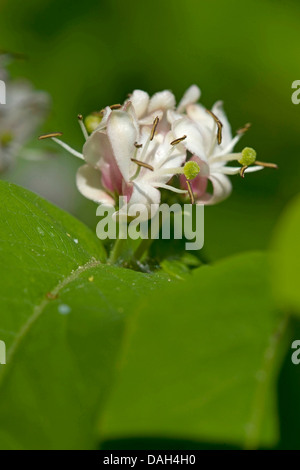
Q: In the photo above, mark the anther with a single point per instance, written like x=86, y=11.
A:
x=143, y=164
x=242, y=170
x=177, y=141
x=115, y=106
x=244, y=129
x=82, y=126
x=138, y=146
x=266, y=165
x=153, y=130
x=49, y=136
x=219, y=124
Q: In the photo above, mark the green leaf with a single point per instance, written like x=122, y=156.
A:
x=286, y=258
x=62, y=319
x=200, y=360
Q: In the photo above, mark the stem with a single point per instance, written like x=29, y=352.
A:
x=117, y=250
x=143, y=246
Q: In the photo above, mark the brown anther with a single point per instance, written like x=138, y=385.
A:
x=244, y=129
x=219, y=124
x=138, y=146
x=153, y=130
x=48, y=136
x=144, y=165
x=266, y=165
x=190, y=191
x=115, y=106
x=177, y=141
x=242, y=170
x=79, y=117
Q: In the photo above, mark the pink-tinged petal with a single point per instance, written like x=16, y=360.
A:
x=161, y=100
x=98, y=153
x=88, y=182
x=198, y=184
x=194, y=139
x=140, y=101
x=122, y=134
x=191, y=95
x=143, y=194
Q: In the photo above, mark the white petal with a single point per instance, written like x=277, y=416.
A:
x=148, y=120
x=194, y=140
x=173, y=116
x=88, y=181
x=221, y=189
x=198, y=113
x=191, y=95
x=253, y=169
x=229, y=170
x=140, y=100
x=122, y=134
x=97, y=149
x=161, y=100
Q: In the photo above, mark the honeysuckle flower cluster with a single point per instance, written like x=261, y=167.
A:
x=20, y=116
x=148, y=144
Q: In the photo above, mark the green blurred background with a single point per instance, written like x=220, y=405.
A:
x=91, y=54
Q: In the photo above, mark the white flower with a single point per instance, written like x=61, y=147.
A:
x=126, y=159
x=210, y=143
x=136, y=149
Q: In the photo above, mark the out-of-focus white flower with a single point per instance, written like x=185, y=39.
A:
x=23, y=112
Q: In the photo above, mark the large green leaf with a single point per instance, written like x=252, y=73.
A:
x=286, y=258
x=201, y=359
x=62, y=318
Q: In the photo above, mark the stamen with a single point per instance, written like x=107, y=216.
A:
x=219, y=124
x=115, y=106
x=61, y=143
x=266, y=165
x=50, y=136
x=177, y=141
x=190, y=191
x=153, y=130
x=244, y=129
x=82, y=126
x=242, y=170
x=143, y=164
x=138, y=146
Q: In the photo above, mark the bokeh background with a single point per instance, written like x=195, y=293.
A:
x=90, y=54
